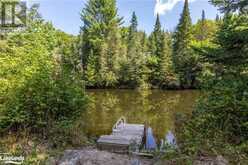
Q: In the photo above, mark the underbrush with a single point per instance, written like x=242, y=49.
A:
x=198, y=143
x=42, y=150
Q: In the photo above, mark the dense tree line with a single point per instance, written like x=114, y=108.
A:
x=125, y=57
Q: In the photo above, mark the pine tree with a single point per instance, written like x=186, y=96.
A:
x=132, y=34
x=182, y=54
x=155, y=39
x=203, y=16
x=183, y=33
x=159, y=37
x=203, y=35
x=159, y=61
x=101, y=24
x=135, y=61
x=134, y=24
x=156, y=46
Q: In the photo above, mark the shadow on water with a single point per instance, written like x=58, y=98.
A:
x=157, y=108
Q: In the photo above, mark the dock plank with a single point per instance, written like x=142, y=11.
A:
x=122, y=137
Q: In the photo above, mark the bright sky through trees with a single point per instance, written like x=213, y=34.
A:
x=64, y=14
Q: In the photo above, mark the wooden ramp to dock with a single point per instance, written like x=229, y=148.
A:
x=125, y=137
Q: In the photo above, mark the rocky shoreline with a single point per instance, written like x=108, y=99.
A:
x=93, y=156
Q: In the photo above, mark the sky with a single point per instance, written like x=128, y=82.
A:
x=65, y=14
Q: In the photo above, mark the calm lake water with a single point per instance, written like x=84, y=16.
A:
x=155, y=107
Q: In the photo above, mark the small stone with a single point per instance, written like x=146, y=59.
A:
x=220, y=160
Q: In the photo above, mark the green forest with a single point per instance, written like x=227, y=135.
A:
x=162, y=59
x=44, y=73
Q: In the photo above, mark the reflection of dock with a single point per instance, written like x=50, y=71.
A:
x=123, y=138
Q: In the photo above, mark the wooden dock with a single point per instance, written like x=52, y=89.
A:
x=124, y=138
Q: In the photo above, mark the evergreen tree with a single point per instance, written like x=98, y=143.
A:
x=183, y=59
x=159, y=61
x=203, y=29
x=203, y=16
x=156, y=39
x=134, y=70
x=132, y=34
x=132, y=37
x=156, y=46
x=101, y=25
x=134, y=25
x=166, y=75
x=159, y=38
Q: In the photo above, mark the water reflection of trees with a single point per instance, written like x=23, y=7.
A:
x=157, y=108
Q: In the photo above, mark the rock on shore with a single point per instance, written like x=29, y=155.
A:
x=96, y=157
